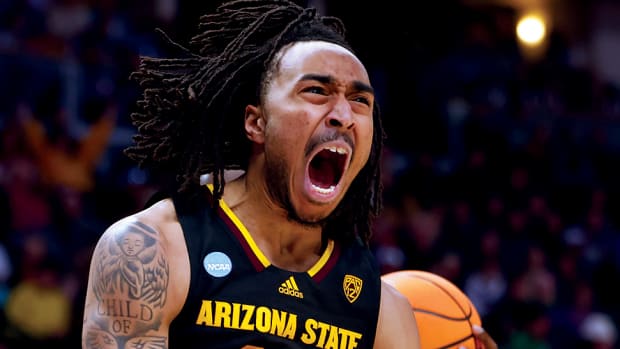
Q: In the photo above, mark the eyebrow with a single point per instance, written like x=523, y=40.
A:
x=328, y=79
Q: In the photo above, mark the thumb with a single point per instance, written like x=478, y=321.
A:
x=483, y=338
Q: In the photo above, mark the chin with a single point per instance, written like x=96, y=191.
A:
x=311, y=217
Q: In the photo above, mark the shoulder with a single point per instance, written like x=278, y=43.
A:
x=396, y=327
x=151, y=237
x=161, y=215
x=156, y=221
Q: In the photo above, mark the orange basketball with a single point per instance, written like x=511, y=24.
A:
x=443, y=312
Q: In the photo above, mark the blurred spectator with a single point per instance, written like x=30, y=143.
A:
x=598, y=331
x=387, y=249
x=6, y=272
x=38, y=310
x=532, y=325
x=486, y=285
x=567, y=317
x=450, y=266
x=537, y=282
x=28, y=198
x=63, y=161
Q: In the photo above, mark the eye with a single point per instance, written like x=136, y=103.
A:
x=316, y=90
x=362, y=99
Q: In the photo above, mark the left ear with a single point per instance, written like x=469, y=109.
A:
x=254, y=124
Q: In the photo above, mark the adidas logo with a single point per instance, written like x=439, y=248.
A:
x=289, y=287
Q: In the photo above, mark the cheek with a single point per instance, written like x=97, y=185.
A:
x=284, y=137
x=291, y=127
x=294, y=125
x=363, y=156
x=365, y=141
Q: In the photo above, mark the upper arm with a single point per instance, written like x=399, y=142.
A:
x=129, y=301
x=396, y=327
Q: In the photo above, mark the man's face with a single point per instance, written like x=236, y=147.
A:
x=316, y=127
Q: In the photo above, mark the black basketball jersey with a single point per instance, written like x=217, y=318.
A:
x=238, y=299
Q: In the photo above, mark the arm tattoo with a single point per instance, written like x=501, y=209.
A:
x=130, y=284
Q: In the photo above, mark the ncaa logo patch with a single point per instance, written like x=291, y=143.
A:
x=217, y=264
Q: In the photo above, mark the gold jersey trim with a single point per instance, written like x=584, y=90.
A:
x=257, y=251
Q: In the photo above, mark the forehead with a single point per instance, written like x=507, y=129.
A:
x=321, y=57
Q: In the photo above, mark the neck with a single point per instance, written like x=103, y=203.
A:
x=286, y=243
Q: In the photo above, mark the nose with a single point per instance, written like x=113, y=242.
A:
x=341, y=115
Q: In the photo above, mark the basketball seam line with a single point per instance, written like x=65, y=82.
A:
x=456, y=342
x=443, y=316
x=466, y=312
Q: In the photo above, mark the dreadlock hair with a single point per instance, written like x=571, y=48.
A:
x=191, y=113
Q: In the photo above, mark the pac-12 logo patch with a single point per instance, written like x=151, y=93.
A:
x=352, y=286
x=217, y=264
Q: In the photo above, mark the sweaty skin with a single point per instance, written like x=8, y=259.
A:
x=322, y=92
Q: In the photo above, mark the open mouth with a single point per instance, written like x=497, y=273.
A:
x=326, y=169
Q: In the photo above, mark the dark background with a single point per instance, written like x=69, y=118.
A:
x=500, y=168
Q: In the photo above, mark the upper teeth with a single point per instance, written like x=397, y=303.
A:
x=338, y=150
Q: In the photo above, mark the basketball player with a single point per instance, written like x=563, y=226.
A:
x=278, y=257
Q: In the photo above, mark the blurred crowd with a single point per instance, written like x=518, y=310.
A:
x=500, y=173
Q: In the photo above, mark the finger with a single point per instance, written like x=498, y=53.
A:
x=484, y=337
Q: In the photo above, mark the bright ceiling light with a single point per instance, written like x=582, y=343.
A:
x=531, y=30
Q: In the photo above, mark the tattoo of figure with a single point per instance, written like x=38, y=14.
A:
x=134, y=265
x=131, y=287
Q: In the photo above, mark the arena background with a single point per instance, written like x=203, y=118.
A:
x=501, y=168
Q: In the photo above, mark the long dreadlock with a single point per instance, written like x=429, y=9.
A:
x=190, y=117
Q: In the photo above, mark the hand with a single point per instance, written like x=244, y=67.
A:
x=483, y=339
